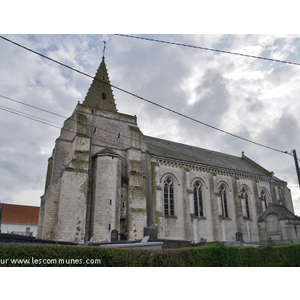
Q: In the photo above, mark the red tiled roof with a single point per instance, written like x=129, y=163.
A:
x=13, y=213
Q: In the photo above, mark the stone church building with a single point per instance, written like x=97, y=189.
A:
x=105, y=175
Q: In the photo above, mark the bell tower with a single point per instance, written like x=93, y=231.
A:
x=95, y=178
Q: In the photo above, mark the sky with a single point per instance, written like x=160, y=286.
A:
x=252, y=98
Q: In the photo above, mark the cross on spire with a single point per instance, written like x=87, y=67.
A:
x=104, y=48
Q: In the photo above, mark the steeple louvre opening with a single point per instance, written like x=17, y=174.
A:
x=100, y=94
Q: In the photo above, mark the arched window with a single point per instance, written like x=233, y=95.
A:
x=223, y=196
x=103, y=96
x=198, y=202
x=245, y=203
x=168, y=197
x=263, y=198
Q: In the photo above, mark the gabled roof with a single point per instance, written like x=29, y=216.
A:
x=172, y=150
x=13, y=213
x=280, y=211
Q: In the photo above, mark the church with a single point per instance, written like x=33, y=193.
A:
x=105, y=175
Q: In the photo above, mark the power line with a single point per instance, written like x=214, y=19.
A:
x=31, y=117
x=32, y=106
x=26, y=114
x=149, y=101
x=55, y=114
x=117, y=134
x=34, y=118
x=44, y=56
x=208, y=49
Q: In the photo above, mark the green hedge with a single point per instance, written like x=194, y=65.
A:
x=211, y=255
x=219, y=255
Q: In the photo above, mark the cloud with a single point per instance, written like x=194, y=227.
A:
x=7, y=200
x=255, y=99
x=213, y=102
x=281, y=76
x=283, y=133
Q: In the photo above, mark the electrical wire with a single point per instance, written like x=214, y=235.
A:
x=28, y=115
x=191, y=159
x=46, y=57
x=35, y=118
x=148, y=101
x=117, y=134
x=32, y=106
x=31, y=117
x=209, y=49
x=69, y=118
x=44, y=121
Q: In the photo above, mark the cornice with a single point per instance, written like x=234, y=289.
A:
x=210, y=169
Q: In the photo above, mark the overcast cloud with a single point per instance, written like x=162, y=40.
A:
x=253, y=98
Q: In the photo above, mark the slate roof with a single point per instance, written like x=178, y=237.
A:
x=13, y=213
x=191, y=154
x=282, y=213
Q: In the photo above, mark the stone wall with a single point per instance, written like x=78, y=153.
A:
x=127, y=185
x=117, y=199
x=72, y=207
x=185, y=225
x=106, y=196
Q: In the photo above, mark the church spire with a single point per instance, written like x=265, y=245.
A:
x=100, y=93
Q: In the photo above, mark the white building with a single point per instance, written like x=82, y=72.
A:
x=19, y=219
x=106, y=175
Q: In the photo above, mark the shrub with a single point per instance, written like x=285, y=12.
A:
x=210, y=255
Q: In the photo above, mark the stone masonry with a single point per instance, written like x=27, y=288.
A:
x=105, y=175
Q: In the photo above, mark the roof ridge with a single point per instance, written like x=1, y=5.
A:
x=16, y=204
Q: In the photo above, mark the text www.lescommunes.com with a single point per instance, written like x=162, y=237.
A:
x=49, y=261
